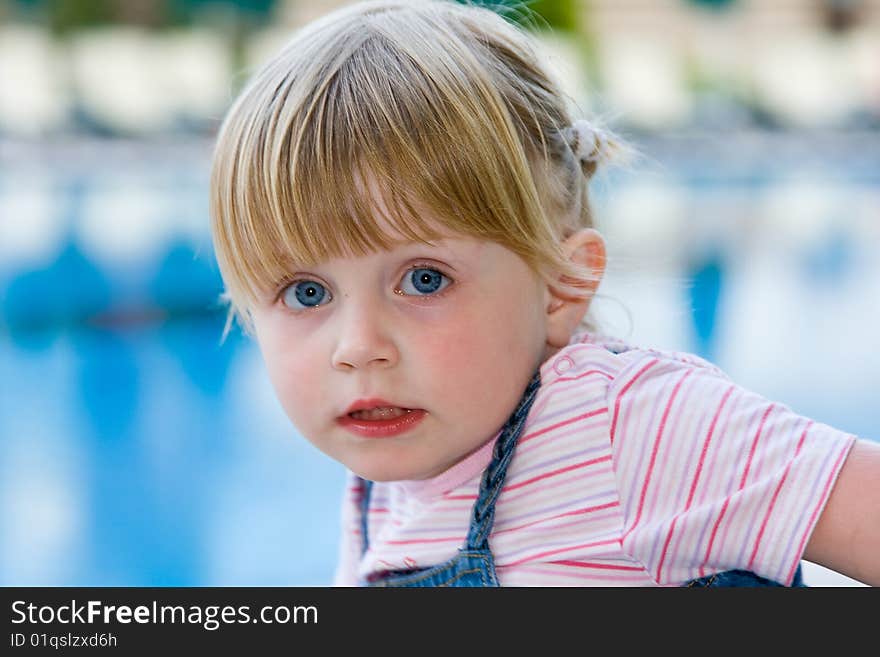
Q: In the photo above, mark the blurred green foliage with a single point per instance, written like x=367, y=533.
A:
x=713, y=4
x=66, y=15
x=63, y=16
x=559, y=15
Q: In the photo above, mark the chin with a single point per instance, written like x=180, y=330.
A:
x=383, y=474
x=386, y=472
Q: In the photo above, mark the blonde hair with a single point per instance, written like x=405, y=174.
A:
x=442, y=107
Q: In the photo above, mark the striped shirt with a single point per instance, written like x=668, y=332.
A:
x=636, y=467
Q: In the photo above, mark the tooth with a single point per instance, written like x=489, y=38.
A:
x=382, y=413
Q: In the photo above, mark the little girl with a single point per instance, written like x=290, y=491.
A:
x=400, y=214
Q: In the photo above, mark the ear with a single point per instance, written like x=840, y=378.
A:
x=585, y=248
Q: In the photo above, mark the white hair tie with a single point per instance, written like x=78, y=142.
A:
x=588, y=143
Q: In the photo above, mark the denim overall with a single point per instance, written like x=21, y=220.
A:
x=474, y=565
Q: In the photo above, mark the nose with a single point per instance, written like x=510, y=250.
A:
x=364, y=339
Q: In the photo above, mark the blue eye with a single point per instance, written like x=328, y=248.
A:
x=423, y=281
x=305, y=294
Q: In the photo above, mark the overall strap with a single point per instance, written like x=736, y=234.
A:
x=366, y=489
x=496, y=471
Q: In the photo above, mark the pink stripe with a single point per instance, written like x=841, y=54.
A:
x=696, y=479
x=678, y=459
x=654, y=451
x=674, y=457
x=730, y=415
x=582, y=375
x=776, y=495
x=601, y=566
x=557, y=516
x=596, y=520
x=553, y=473
x=742, y=482
x=556, y=484
x=565, y=549
x=415, y=541
x=623, y=391
x=705, y=449
x=712, y=536
x=541, y=574
x=741, y=485
x=825, y=492
x=562, y=424
x=574, y=431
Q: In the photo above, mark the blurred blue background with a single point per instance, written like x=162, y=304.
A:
x=136, y=448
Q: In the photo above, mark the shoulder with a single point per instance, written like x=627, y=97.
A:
x=595, y=357
x=638, y=387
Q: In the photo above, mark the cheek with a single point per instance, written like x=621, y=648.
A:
x=496, y=338
x=291, y=365
x=449, y=340
x=512, y=322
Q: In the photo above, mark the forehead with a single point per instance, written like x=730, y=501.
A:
x=462, y=252
x=451, y=247
x=382, y=220
x=386, y=214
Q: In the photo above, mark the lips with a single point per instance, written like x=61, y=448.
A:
x=377, y=418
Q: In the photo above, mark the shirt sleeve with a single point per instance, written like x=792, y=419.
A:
x=350, y=541
x=713, y=477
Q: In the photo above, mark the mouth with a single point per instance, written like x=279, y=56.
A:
x=380, y=419
x=380, y=413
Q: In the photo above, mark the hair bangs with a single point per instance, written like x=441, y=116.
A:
x=395, y=147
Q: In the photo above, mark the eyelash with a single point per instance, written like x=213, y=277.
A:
x=286, y=285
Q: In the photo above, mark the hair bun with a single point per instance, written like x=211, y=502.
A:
x=589, y=144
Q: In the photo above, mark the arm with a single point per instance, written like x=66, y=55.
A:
x=847, y=536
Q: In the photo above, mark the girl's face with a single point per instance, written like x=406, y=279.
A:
x=400, y=363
